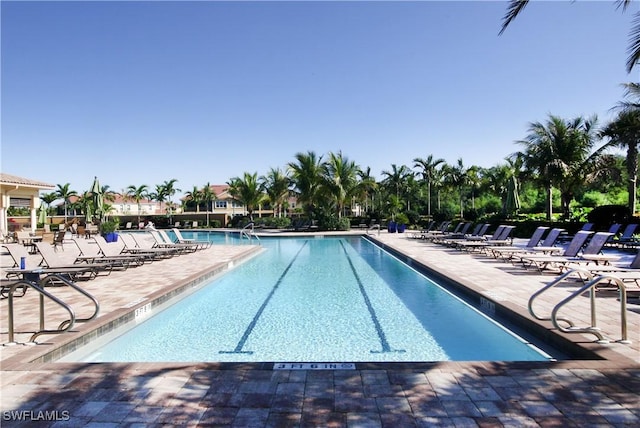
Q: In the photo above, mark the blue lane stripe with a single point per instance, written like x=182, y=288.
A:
x=254, y=321
x=381, y=336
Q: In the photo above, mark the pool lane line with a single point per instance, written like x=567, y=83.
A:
x=372, y=312
x=256, y=317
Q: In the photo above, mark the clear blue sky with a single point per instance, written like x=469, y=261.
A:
x=143, y=92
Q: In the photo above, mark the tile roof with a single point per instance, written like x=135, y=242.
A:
x=14, y=179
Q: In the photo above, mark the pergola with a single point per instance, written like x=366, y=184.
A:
x=20, y=192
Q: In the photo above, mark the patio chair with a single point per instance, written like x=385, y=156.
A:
x=627, y=239
x=181, y=240
x=90, y=252
x=499, y=235
x=164, y=241
x=572, y=254
x=36, y=263
x=505, y=252
x=51, y=259
x=136, y=247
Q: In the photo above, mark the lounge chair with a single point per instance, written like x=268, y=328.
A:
x=547, y=246
x=5, y=288
x=478, y=234
x=627, y=239
x=461, y=230
x=181, y=240
x=51, y=259
x=90, y=252
x=36, y=263
x=590, y=254
x=499, y=237
x=505, y=251
x=444, y=226
x=136, y=246
x=161, y=242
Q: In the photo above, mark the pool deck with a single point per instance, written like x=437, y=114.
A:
x=588, y=392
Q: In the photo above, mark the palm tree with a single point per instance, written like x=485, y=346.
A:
x=429, y=168
x=49, y=198
x=516, y=6
x=559, y=152
x=632, y=95
x=248, y=191
x=195, y=196
x=306, y=176
x=207, y=197
x=164, y=192
x=457, y=176
x=276, y=185
x=366, y=186
x=137, y=194
x=624, y=132
x=63, y=192
x=340, y=176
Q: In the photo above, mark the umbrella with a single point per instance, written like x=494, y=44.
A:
x=98, y=198
x=512, y=203
x=42, y=214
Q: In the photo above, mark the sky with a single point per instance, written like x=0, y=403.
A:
x=142, y=92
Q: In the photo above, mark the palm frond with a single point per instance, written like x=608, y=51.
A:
x=634, y=43
x=513, y=10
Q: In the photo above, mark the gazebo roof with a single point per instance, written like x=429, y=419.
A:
x=9, y=179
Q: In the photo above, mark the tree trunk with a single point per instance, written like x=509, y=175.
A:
x=632, y=170
x=549, y=201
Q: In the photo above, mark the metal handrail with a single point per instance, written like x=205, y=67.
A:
x=589, y=284
x=373, y=227
x=50, y=279
x=553, y=283
x=248, y=232
x=593, y=329
x=43, y=293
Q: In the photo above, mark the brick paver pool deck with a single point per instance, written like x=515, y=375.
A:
x=603, y=391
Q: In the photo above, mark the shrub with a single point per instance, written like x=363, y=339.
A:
x=605, y=215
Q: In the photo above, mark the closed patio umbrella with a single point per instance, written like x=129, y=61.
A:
x=98, y=199
x=512, y=203
x=42, y=214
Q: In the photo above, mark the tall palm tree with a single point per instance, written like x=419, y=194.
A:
x=165, y=191
x=624, y=132
x=306, y=175
x=457, y=176
x=276, y=185
x=208, y=196
x=341, y=179
x=429, y=168
x=248, y=191
x=559, y=151
x=366, y=186
x=516, y=6
x=65, y=193
x=137, y=194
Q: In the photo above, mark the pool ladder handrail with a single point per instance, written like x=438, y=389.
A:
x=373, y=227
x=589, y=284
x=249, y=232
x=64, y=326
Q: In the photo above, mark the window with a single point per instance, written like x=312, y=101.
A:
x=221, y=204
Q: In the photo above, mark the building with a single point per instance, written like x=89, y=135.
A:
x=20, y=192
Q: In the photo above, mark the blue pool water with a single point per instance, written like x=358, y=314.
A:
x=317, y=300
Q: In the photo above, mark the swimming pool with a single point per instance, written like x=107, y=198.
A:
x=317, y=299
